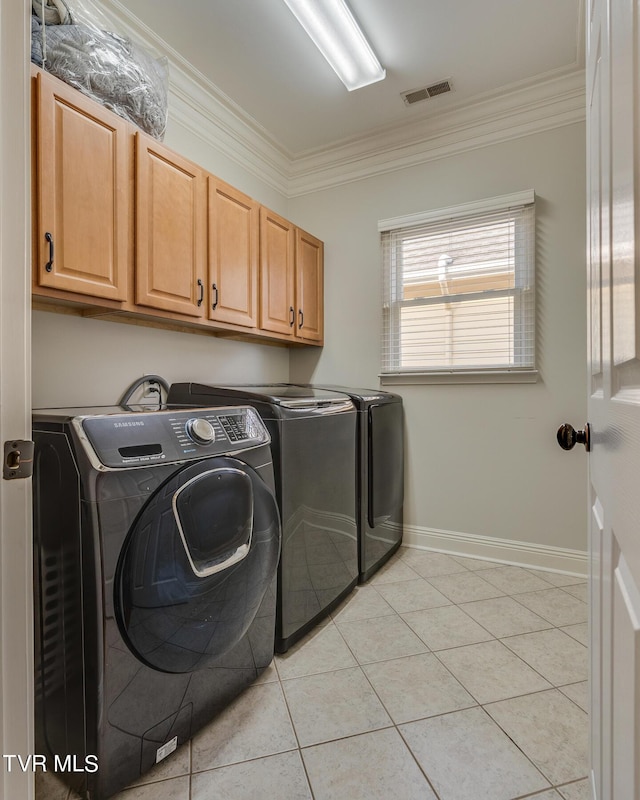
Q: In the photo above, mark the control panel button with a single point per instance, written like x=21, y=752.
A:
x=200, y=430
x=235, y=426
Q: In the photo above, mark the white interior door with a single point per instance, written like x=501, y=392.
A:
x=613, y=142
x=16, y=652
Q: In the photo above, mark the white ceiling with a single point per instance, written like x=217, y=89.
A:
x=256, y=53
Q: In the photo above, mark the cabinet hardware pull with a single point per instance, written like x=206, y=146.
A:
x=49, y=265
x=214, y=305
x=300, y=318
x=292, y=318
x=201, y=298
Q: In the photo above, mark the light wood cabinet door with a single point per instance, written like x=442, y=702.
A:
x=277, y=273
x=171, y=238
x=83, y=195
x=233, y=255
x=309, y=287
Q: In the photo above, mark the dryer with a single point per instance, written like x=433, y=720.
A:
x=313, y=441
x=379, y=468
x=156, y=544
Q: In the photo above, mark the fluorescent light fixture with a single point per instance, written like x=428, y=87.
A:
x=336, y=34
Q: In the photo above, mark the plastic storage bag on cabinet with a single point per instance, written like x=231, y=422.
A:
x=69, y=40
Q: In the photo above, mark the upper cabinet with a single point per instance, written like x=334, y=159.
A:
x=233, y=255
x=309, y=287
x=124, y=224
x=291, y=280
x=171, y=233
x=82, y=217
x=277, y=273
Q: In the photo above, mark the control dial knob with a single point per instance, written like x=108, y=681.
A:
x=200, y=431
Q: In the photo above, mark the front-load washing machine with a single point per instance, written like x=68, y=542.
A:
x=157, y=539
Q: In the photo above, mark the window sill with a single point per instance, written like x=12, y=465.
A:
x=451, y=377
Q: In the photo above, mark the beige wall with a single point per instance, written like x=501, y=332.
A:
x=79, y=361
x=480, y=459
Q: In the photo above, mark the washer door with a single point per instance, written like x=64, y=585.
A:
x=197, y=564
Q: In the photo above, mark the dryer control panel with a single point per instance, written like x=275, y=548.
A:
x=143, y=438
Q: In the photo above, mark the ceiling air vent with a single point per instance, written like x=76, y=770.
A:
x=417, y=95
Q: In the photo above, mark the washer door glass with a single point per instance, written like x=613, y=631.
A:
x=197, y=564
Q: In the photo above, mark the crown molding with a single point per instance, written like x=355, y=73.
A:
x=521, y=110
x=195, y=108
x=201, y=108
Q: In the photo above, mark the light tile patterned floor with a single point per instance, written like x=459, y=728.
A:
x=444, y=678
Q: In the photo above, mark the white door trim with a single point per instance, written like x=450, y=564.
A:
x=16, y=616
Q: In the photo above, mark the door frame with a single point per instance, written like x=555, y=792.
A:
x=16, y=594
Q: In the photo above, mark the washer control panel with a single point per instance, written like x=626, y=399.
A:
x=121, y=440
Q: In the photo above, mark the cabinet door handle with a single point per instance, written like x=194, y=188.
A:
x=292, y=318
x=214, y=305
x=49, y=265
x=201, y=298
x=300, y=318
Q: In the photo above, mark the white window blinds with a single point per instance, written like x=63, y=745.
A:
x=459, y=288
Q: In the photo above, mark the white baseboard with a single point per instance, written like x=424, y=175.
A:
x=506, y=551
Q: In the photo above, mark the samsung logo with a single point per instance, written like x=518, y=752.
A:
x=137, y=424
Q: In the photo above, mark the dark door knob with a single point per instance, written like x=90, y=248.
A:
x=568, y=437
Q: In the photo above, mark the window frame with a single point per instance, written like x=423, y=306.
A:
x=394, y=287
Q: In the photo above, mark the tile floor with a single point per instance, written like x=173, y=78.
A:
x=443, y=678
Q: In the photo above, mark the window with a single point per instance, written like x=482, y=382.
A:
x=459, y=290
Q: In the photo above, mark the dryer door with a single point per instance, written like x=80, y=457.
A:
x=385, y=462
x=196, y=565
